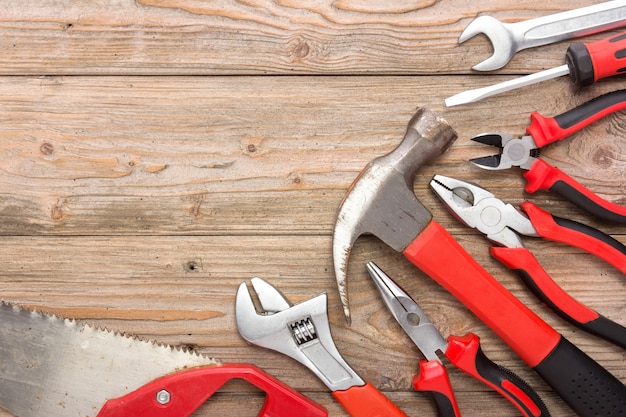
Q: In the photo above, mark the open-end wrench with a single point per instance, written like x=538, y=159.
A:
x=509, y=38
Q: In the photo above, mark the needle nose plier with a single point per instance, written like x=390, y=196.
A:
x=464, y=352
x=501, y=223
x=523, y=152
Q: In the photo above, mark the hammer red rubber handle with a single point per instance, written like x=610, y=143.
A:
x=543, y=176
x=367, y=400
x=577, y=235
x=580, y=381
x=559, y=301
x=182, y=393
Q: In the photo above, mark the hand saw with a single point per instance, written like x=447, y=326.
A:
x=55, y=367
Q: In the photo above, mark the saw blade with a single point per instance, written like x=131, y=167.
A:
x=55, y=367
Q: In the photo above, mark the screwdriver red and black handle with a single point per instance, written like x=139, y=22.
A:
x=542, y=176
x=590, y=62
x=466, y=354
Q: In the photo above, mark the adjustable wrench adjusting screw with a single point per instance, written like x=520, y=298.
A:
x=303, y=331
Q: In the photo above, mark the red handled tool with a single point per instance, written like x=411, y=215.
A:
x=381, y=201
x=586, y=64
x=464, y=352
x=302, y=332
x=523, y=152
x=183, y=393
x=501, y=223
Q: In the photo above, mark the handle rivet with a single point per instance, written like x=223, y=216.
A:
x=163, y=397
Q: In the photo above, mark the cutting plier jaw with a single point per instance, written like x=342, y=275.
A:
x=480, y=209
x=514, y=152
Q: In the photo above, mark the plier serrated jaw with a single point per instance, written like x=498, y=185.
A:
x=481, y=210
x=514, y=152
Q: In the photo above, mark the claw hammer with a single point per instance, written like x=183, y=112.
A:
x=381, y=202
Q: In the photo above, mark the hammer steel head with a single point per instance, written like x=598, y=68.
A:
x=381, y=201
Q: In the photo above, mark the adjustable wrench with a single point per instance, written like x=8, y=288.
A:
x=509, y=38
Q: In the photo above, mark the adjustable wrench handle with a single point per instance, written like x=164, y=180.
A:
x=558, y=361
x=367, y=400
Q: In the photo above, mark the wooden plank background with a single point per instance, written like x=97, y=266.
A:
x=154, y=154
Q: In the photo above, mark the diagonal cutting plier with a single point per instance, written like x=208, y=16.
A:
x=524, y=153
x=464, y=352
x=501, y=223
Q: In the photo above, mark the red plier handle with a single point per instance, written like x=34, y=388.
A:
x=543, y=176
x=576, y=234
x=559, y=301
x=182, y=393
x=466, y=354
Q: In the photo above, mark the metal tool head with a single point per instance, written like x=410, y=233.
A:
x=481, y=210
x=381, y=200
x=500, y=36
x=514, y=152
x=300, y=331
x=408, y=314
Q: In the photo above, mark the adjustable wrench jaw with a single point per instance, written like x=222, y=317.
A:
x=481, y=210
x=514, y=152
x=300, y=331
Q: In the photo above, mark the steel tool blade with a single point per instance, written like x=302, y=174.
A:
x=55, y=367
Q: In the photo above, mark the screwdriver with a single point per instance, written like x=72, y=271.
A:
x=586, y=64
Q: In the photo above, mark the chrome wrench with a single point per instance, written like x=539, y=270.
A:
x=509, y=38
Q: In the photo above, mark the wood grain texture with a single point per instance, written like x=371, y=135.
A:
x=257, y=36
x=149, y=165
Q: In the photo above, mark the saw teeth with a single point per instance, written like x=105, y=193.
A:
x=81, y=326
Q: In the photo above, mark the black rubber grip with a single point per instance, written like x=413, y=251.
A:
x=590, y=231
x=501, y=377
x=601, y=326
x=588, y=388
x=572, y=194
x=580, y=64
x=599, y=105
x=445, y=408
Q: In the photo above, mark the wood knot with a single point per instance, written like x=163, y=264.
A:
x=46, y=148
x=604, y=156
x=301, y=49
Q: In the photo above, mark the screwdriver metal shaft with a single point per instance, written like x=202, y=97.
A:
x=586, y=64
x=471, y=96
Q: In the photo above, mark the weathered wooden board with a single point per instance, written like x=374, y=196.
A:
x=149, y=165
x=258, y=37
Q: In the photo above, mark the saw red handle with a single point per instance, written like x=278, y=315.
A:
x=545, y=130
x=577, y=235
x=543, y=176
x=559, y=301
x=182, y=393
x=367, y=400
x=433, y=378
